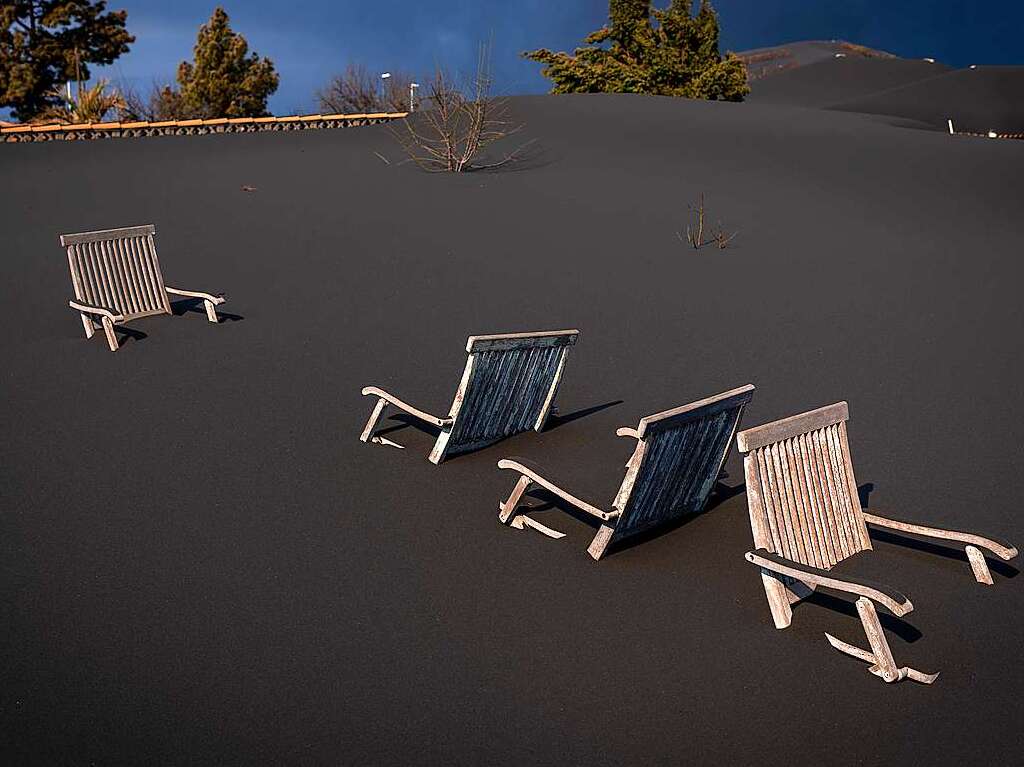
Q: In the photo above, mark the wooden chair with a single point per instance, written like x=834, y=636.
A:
x=677, y=461
x=805, y=516
x=508, y=386
x=116, y=276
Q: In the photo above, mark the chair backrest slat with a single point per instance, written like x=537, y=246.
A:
x=677, y=461
x=801, y=491
x=118, y=269
x=508, y=386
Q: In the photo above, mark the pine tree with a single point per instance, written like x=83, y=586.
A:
x=224, y=79
x=44, y=43
x=670, y=52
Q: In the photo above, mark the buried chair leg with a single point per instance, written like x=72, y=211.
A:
x=508, y=508
x=599, y=545
x=108, y=329
x=521, y=521
x=979, y=565
x=778, y=599
x=90, y=329
x=883, y=664
x=211, y=311
x=374, y=417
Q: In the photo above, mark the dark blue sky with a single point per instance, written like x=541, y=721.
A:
x=310, y=39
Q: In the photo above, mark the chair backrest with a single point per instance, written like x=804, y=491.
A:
x=508, y=386
x=801, y=492
x=677, y=461
x=117, y=269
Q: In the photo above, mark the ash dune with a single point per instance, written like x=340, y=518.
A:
x=203, y=564
x=975, y=99
x=929, y=93
x=833, y=80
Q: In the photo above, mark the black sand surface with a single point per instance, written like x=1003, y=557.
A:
x=201, y=563
x=977, y=100
x=834, y=80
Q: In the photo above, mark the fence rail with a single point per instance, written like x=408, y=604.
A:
x=88, y=131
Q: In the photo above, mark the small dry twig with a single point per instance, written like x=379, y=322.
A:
x=695, y=234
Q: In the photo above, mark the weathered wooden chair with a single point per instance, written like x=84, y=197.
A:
x=677, y=461
x=508, y=386
x=117, y=278
x=805, y=516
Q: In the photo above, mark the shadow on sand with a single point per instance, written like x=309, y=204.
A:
x=128, y=334
x=549, y=501
x=908, y=540
x=406, y=421
x=187, y=305
x=897, y=626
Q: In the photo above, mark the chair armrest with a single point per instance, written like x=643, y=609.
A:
x=1001, y=550
x=421, y=414
x=103, y=311
x=625, y=431
x=532, y=471
x=213, y=298
x=893, y=600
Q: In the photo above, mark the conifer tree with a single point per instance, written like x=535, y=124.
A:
x=45, y=43
x=224, y=79
x=669, y=52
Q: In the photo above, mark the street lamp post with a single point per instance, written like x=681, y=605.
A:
x=412, y=96
x=383, y=91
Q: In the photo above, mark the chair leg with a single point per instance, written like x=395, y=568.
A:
x=978, y=564
x=883, y=664
x=378, y=409
x=599, y=545
x=508, y=508
x=211, y=311
x=90, y=329
x=440, y=449
x=108, y=329
x=778, y=599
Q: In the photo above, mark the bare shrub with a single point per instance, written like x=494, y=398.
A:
x=698, y=237
x=359, y=91
x=458, y=124
x=160, y=102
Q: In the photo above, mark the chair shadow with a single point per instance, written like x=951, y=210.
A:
x=948, y=552
x=864, y=493
x=557, y=419
x=897, y=626
x=406, y=421
x=719, y=494
x=187, y=305
x=129, y=334
x=908, y=540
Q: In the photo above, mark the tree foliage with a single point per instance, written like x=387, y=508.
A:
x=224, y=79
x=44, y=43
x=670, y=52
